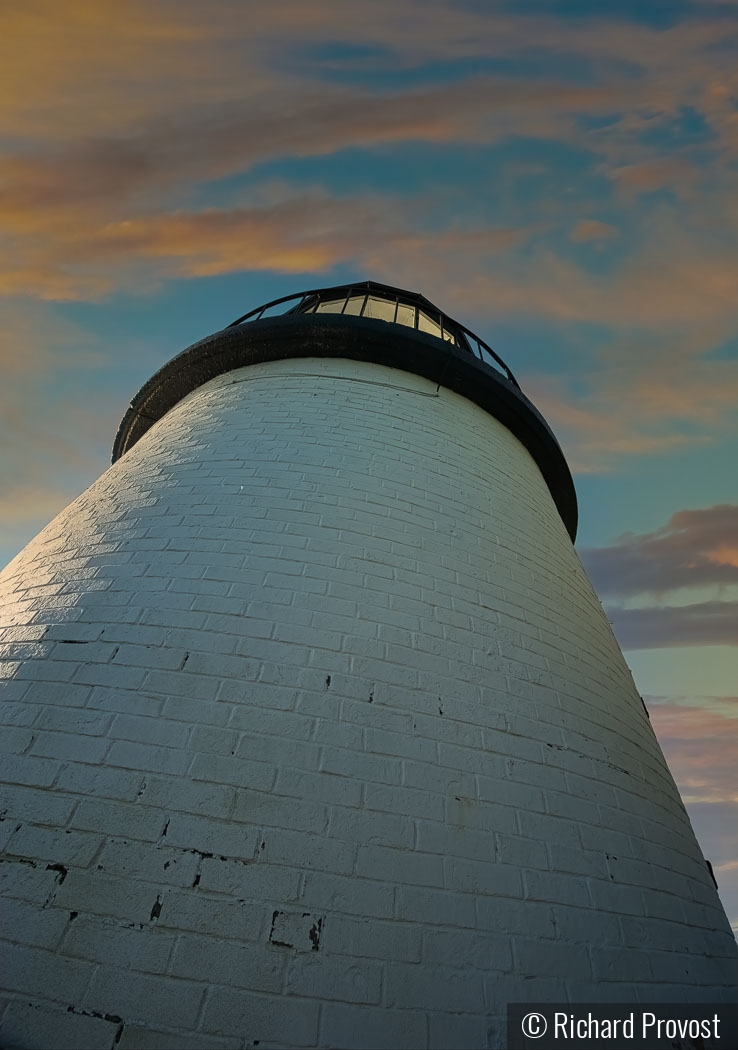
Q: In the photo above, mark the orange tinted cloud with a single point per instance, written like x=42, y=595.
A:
x=670, y=280
x=725, y=554
x=700, y=742
x=286, y=231
x=689, y=551
x=285, y=120
x=655, y=174
x=694, y=549
x=638, y=401
x=83, y=67
x=592, y=230
x=100, y=65
x=701, y=745
x=104, y=135
x=638, y=397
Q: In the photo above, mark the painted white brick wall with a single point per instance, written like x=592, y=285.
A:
x=318, y=736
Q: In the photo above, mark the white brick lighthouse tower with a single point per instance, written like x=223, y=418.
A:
x=319, y=736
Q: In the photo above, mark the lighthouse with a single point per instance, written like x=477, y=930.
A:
x=318, y=735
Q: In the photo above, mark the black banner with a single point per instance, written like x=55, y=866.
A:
x=622, y=1026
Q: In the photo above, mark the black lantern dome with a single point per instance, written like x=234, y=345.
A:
x=362, y=321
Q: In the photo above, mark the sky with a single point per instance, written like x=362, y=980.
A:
x=558, y=175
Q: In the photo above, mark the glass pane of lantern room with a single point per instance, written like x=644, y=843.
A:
x=354, y=305
x=382, y=309
x=406, y=315
x=332, y=306
x=427, y=324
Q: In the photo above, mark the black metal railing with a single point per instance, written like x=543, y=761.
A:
x=384, y=303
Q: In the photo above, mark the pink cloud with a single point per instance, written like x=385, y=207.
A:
x=694, y=548
x=701, y=746
x=646, y=176
x=592, y=230
x=700, y=743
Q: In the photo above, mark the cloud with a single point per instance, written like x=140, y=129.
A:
x=694, y=548
x=67, y=70
x=636, y=394
x=592, y=230
x=602, y=428
x=114, y=98
x=669, y=278
x=637, y=401
x=700, y=742
x=101, y=137
x=699, y=738
x=702, y=623
x=701, y=745
x=286, y=230
x=647, y=176
x=58, y=413
x=286, y=119
x=714, y=824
